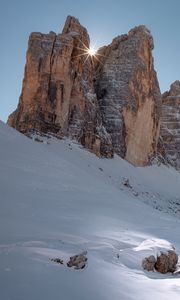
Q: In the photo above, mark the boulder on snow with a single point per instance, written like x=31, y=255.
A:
x=166, y=262
x=78, y=261
x=148, y=263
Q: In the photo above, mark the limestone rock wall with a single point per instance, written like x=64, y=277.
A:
x=169, y=143
x=109, y=102
x=58, y=93
x=129, y=95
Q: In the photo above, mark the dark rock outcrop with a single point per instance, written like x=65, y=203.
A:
x=109, y=102
x=169, y=142
x=166, y=262
x=148, y=263
x=78, y=261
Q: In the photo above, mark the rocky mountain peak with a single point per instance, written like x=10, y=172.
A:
x=129, y=95
x=109, y=103
x=175, y=89
x=73, y=27
x=142, y=31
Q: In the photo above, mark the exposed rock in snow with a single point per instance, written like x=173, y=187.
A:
x=166, y=262
x=163, y=259
x=148, y=263
x=78, y=261
x=57, y=260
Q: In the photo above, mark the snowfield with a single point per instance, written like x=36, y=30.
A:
x=57, y=200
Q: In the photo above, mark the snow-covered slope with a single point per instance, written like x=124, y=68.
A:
x=57, y=200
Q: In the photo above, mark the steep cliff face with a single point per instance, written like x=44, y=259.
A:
x=58, y=93
x=129, y=95
x=109, y=102
x=169, y=143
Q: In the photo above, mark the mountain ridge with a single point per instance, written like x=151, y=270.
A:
x=109, y=102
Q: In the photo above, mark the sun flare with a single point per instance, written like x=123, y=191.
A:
x=91, y=51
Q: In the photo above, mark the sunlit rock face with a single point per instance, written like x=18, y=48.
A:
x=58, y=93
x=129, y=95
x=109, y=102
x=169, y=143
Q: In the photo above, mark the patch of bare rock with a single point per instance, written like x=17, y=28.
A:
x=166, y=262
x=78, y=261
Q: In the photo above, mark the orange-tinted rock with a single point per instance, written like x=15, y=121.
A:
x=166, y=262
x=129, y=95
x=58, y=93
x=108, y=104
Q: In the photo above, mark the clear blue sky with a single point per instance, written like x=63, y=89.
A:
x=104, y=20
